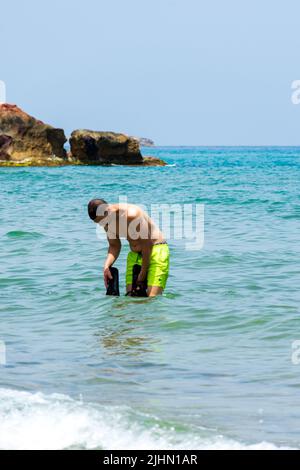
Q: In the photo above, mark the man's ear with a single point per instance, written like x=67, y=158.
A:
x=102, y=211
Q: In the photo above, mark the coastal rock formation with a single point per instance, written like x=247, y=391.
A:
x=145, y=142
x=104, y=148
x=24, y=139
x=153, y=161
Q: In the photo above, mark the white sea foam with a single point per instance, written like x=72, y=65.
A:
x=38, y=421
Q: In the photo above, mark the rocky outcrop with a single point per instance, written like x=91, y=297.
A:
x=24, y=139
x=105, y=148
x=153, y=161
x=144, y=142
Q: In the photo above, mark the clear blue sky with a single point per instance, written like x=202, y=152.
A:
x=214, y=72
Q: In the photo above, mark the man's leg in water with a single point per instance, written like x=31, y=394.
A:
x=158, y=270
x=153, y=291
x=132, y=259
x=157, y=273
x=128, y=288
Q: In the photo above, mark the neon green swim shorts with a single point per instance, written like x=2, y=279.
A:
x=158, y=270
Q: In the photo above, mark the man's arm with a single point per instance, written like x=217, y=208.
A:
x=114, y=249
x=138, y=224
x=146, y=253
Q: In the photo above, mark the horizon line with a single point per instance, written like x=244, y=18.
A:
x=220, y=146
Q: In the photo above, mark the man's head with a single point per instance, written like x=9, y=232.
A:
x=97, y=209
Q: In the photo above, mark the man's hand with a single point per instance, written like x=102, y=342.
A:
x=141, y=277
x=114, y=249
x=107, y=276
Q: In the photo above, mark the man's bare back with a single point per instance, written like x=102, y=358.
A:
x=131, y=222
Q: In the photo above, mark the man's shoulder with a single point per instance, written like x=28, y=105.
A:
x=134, y=211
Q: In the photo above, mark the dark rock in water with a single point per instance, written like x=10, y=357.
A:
x=26, y=140
x=104, y=148
x=153, y=161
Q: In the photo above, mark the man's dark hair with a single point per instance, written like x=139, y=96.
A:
x=93, y=206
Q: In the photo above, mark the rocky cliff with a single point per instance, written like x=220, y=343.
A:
x=24, y=139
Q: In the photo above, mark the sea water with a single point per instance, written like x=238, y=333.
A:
x=211, y=364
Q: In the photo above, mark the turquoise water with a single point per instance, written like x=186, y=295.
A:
x=209, y=364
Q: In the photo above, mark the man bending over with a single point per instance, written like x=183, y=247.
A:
x=148, y=247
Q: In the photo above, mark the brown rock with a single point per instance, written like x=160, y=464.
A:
x=24, y=139
x=153, y=161
x=104, y=148
x=5, y=146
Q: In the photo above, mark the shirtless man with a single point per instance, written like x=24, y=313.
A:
x=148, y=246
